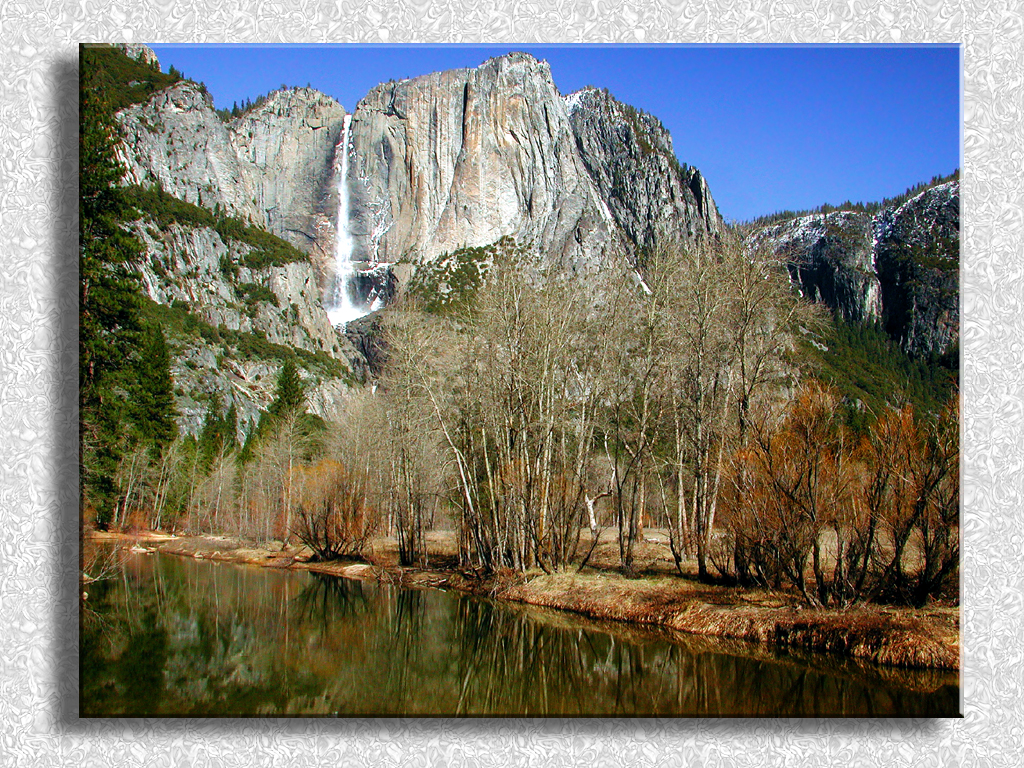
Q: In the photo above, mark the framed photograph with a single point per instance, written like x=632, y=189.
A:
x=520, y=381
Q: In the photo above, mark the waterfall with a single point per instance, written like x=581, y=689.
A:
x=340, y=304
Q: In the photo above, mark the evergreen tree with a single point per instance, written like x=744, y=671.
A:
x=154, y=395
x=109, y=283
x=289, y=402
x=109, y=301
x=218, y=435
x=231, y=428
x=290, y=396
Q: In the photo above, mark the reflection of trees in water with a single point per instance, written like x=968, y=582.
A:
x=179, y=637
x=511, y=663
x=402, y=647
x=326, y=600
x=122, y=654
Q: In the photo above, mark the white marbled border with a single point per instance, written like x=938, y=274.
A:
x=38, y=389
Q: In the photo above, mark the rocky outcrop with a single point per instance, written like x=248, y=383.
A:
x=465, y=157
x=272, y=166
x=831, y=259
x=176, y=140
x=286, y=147
x=917, y=258
x=224, y=351
x=140, y=53
x=628, y=154
x=366, y=335
x=196, y=267
x=899, y=266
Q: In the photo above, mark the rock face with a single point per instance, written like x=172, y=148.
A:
x=831, y=259
x=273, y=165
x=629, y=156
x=465, y=157
x=225, y=354
x=917, y=258
x=177, y=140
x=899, y=267
x=195, y=266
x=286, y=146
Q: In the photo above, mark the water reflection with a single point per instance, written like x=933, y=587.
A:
x=177, y=637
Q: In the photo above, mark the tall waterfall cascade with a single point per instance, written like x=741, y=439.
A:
x=342, y=301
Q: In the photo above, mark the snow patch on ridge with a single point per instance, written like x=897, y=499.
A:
x=572, y=101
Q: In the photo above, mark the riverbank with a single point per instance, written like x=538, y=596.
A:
x=898, y=637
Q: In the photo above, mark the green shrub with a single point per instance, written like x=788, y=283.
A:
x=165, y=209
x=251, y=293
x=449, y=284
x=180, y=324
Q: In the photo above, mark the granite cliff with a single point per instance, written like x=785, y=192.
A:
x=628, y=154
x=899, y=266
x=465, y=157
x=235, y=299
x=425, y=167
x=453, y=159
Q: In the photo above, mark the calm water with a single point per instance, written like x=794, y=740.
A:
x=172, y=636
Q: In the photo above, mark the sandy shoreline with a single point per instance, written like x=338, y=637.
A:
x=897, y=637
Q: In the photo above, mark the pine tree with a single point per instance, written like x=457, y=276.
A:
x=290, y=396
x=289, y=403
x=218, y=435
x=154, y=393
x=109, y=283
x=231, y=428
x=109, y=301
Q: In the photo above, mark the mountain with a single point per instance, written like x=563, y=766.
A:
x=462, y=158
x=899, y=267
x=272, y=166
x=421, y=169
x=652, y=198
x=465, y=157
x=246, y=221
x=232, y=224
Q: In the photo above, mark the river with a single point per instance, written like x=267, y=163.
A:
x=170, y=636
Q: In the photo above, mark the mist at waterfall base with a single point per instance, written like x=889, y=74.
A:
x=340, y=301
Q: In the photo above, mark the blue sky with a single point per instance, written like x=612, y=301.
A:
x=770, y=127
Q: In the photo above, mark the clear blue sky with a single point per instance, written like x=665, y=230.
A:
x=770, y=127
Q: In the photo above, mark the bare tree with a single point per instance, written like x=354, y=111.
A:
x=512, y=392
x=913, y=489
x=726, y=317
x=638, y=349
x=332, y=516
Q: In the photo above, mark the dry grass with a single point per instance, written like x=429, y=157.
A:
x=903, y=638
